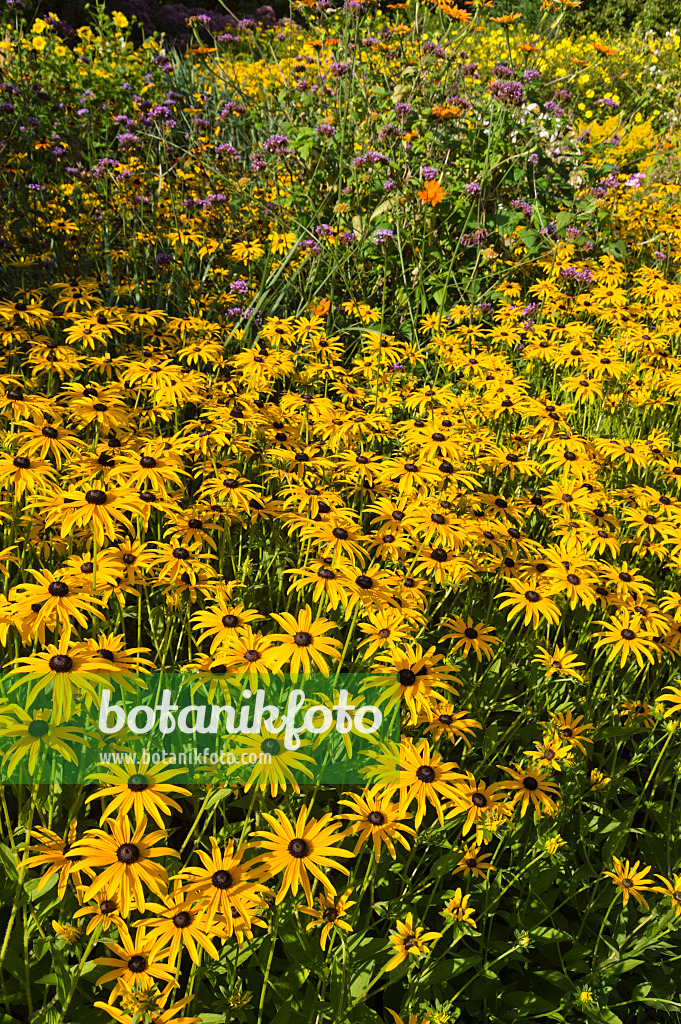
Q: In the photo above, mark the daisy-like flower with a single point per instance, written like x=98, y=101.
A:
x=25, y=475
x=473, y=862
x=222, y=885
x=66, y=601
x=459, y=909
x=251, y=655
x=62, y=671
x=550, y=752
x=560, y=661
x=623, y=635
x=222, y=621
x=479, y=638
x=672, y=890
x=476, y=800
x=409, y=941
x=177, y=924
x=631, y=881
x=104, y=912
x=532, y=599
x=329, y=914
x=530, y=786
x=296, y=849
x=386, y=628
x=136, y=963
x=304, y=644
x=413, y=676
x=96, y=509
x=128, y=861
x=373, y=815
x=57, y=856
x=570, y=729
x=276, y=769
x=424, y=778
x=146, y=793
x=33, y=735
x=141, y=1002
x=444, y=720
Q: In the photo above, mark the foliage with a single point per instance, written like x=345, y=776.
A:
x=369, y=323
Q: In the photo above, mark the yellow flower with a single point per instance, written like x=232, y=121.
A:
x=409, y=941
x=119, y=20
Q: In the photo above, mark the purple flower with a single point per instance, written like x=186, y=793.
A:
x=372, y=156
x=163, y=259
x=388, y=185
x=324, y=129
x=606, y=102
x=238, y=287
x=383, y=236
x=533, y=158
x=518, y=204
x=346, y=237
x=502, y=71
x=429, y=173
x=388, y=131
x=473, y=189
x=403, y=109
x=276, y=143
x=339, y=69
x=510, y=93
x=660, y=255
x=531, y=75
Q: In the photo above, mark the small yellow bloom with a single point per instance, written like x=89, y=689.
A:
x=120, y=20
x=38, y=43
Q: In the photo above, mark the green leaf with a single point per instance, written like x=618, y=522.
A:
x=564, y=218
x=527, y=1003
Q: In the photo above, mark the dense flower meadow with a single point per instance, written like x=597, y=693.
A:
x=345, y=343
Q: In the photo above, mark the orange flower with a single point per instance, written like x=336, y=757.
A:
x=506, y=19
x=433, y=193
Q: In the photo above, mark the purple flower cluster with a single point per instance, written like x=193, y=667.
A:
x=403, y=109
x=518, y=204
x=531, y=75
x=472, y=189
x=371, y=157
x=383, y=236
x=276, y=143
x=389, y=131
x=581, y=276
x=429, y=173
x=339, y=69
x=510, y=93
x=474, y=238
x=226, y=149
x=606, y=102
x=326, y=130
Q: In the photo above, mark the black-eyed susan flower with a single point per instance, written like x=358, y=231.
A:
x=138, y=1002
x=623, y=636
x=531, y=599
x=296, y=849
x=222, y=621
x=530, y=786
x=474, y=862
x=33, y=734
x=303, y=646
x=176, y=924
x=144, y=792
x=375, y=816
x=222, y=885
x=409, y=940
x=478, y=638
x=631, y=881
x=424, y=778
x=476, y=799
x=329, y=914
x=104, y=913
x=137, y=963
x=672, y=890
x=458, y=908
x=57, y=856
x=64, y=671
x=128, y=861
